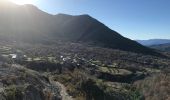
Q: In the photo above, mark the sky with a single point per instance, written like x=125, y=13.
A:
x=134, y=19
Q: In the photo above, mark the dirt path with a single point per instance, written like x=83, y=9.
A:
x=63, y=91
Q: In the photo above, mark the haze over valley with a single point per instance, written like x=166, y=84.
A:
x=76, y=57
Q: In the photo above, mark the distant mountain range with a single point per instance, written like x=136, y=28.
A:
x=162, y=47
x=153, y=42
x=28, y=23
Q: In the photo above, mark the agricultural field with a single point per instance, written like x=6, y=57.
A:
x=85, y=69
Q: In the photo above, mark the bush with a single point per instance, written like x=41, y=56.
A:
x=13, y=93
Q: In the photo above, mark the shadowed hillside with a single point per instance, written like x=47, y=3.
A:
x=66, y=57
x=28, y=23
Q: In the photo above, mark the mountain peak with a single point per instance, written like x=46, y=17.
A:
x=85, y=15
x=34, y=24
x=66, y=15
x=30, y=6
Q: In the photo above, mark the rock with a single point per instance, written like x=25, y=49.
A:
x=19, y=83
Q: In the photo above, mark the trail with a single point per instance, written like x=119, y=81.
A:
x=63, y=90
x=55, y=86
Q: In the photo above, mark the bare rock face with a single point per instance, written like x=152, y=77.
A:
x=19, y=83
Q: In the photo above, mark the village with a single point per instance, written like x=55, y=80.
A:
x=69, y=63
x=63, y=61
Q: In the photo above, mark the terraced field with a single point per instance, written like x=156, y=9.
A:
x=86, y=72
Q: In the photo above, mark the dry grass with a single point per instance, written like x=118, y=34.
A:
x=156, y=87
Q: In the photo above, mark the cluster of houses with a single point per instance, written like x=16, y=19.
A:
x=8, y=53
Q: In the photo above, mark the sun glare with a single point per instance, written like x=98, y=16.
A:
x=21, y=2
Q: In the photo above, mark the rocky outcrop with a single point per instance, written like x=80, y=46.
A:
x=19, y=83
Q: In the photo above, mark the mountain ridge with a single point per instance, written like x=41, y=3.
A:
x=32, y=24
x=150, y=42
x=162, y=47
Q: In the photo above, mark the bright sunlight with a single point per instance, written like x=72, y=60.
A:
x=21, y=2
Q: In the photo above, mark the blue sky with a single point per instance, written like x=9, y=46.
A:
x=135, y=19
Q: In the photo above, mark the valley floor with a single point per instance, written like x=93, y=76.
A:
x=73, y=71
